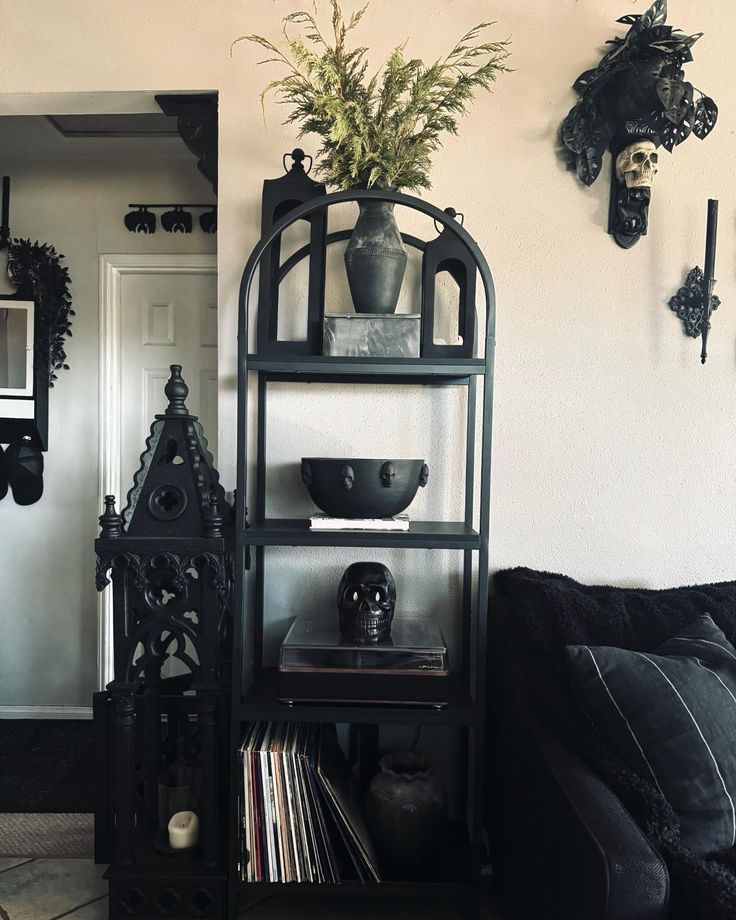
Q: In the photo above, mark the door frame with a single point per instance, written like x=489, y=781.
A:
x=112, y=268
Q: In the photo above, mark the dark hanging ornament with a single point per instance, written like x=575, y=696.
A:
x=141, y=220
x=208, y=221
x=634, y=101
x=177, y=220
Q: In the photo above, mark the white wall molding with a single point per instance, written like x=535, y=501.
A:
x=112, y=268
x=45, y=712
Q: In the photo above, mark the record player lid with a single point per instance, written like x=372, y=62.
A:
x=418, y=635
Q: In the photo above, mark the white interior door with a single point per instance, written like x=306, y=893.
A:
x=155, y=311
x=165, y=319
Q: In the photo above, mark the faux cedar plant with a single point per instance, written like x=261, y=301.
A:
x=381, y=130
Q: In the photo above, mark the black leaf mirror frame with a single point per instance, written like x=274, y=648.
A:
x=635, y=100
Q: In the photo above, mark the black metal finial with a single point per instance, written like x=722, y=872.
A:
x=111, y=523
x=213, y=520
x=298, y=157
x=455, y=215
x=176, y=392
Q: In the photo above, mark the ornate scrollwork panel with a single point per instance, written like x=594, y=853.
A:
x=173, y=606
x=689, y=303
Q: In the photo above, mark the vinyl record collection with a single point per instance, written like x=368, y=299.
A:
x=299, y=819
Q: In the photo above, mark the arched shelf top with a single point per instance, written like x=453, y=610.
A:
x=358, y=195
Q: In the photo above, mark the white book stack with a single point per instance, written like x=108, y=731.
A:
x=324, y=522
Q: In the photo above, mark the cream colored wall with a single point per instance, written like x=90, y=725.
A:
x=48, y=602
x=613, y=456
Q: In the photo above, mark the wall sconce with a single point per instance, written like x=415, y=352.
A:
x=695, y=301
x=175, y=219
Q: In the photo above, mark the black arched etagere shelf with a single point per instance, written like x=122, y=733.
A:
x=457, y=873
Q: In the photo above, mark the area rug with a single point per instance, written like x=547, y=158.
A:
x=46, y=835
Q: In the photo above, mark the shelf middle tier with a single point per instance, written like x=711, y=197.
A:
x=420, y=535
x=261, y=703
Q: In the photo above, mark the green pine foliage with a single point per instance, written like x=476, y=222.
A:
x=380, y=130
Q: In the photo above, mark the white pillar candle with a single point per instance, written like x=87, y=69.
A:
x=183, y=830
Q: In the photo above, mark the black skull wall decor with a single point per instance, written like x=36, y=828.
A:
x=366, y=600
x=635, y=100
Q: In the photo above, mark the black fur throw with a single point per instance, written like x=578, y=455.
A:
x=547, y=612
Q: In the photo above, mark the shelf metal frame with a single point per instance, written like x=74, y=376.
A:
x=253, y=701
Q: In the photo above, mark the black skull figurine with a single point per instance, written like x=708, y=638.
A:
x=366, y=599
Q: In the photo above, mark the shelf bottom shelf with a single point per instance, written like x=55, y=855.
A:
x=449, y=870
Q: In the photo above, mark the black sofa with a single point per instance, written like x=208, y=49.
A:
x=575, y=835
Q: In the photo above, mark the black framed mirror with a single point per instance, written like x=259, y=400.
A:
x=23, y=383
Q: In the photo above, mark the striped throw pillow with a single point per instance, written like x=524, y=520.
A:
x=670, y=714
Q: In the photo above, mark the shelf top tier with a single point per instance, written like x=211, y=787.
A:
x=420, y=535
x=313, y=368
x=310, y=209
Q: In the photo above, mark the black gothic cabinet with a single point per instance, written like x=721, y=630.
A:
x=168, y=556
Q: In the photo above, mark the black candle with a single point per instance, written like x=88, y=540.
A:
x=708, y=279
x=710, y=239
x=6, y=202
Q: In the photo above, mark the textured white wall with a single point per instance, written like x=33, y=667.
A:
x=613, y=455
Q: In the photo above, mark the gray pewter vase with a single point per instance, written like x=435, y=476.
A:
x=405, y=809
x=375, y=259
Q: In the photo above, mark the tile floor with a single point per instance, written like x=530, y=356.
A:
x=48, y=889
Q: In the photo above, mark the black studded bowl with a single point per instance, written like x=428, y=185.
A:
x=350, y=488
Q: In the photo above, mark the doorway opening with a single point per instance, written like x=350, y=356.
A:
x=142, y=301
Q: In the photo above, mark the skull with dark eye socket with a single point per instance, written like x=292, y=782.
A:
x=366, y=600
